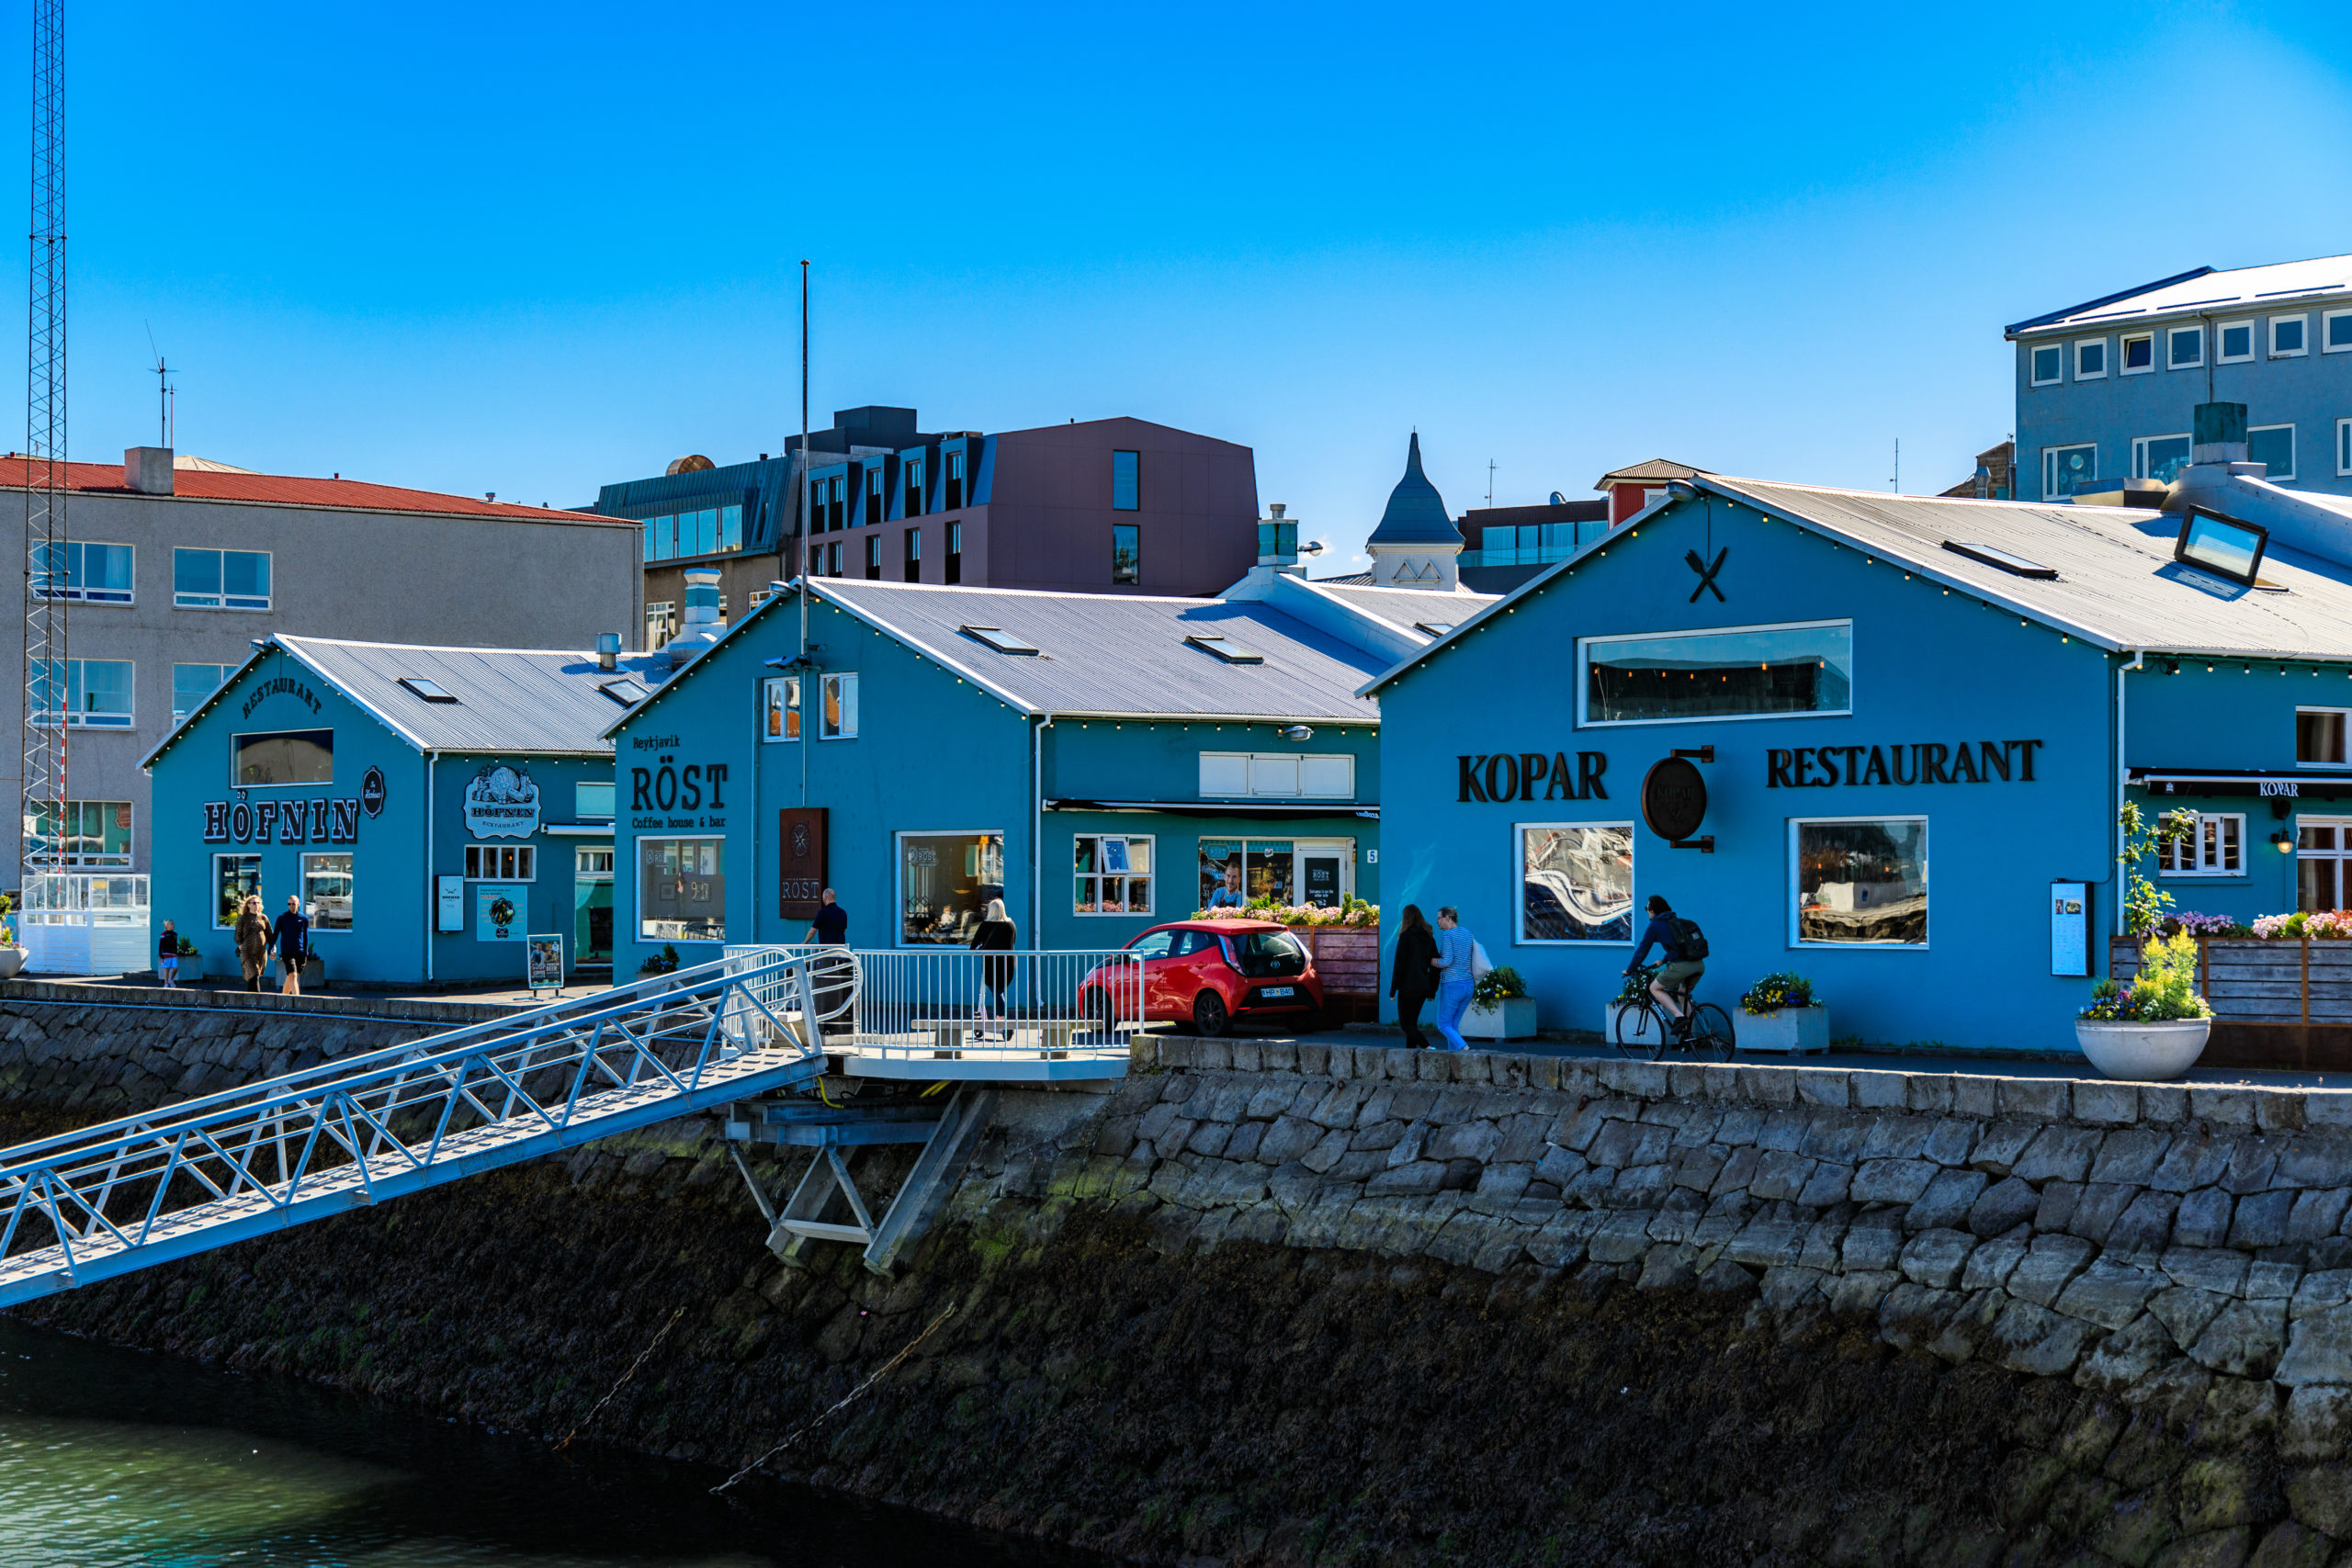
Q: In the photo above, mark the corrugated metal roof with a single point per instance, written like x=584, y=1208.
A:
x=2116, y=584
x=1407, y=608
x=224, y=484
x=539, y=702
x=2246, y=287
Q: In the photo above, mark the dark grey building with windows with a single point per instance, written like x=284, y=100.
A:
x=176, y=566
x=1102, y=506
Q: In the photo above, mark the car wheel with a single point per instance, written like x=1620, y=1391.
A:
x=1209, y=1015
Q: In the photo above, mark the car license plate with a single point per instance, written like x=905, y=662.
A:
x=1277, y=991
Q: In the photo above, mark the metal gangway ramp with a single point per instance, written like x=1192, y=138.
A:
x=206, y=1173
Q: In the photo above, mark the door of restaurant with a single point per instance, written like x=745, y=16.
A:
x=592, y=906
x=1326, y=871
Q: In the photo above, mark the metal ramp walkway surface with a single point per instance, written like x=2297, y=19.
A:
x=131, y=1193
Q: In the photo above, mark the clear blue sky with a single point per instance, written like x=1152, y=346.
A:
x=528, y=249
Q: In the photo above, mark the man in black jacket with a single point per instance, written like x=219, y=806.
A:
x=293, y=936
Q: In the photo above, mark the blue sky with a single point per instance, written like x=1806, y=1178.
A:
x=527, y=249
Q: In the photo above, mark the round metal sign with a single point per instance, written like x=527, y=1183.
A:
x=1674, y=799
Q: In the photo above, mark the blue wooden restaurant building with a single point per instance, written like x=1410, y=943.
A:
x=1912, y=723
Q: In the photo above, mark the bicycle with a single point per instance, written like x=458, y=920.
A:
x=1643, y=1031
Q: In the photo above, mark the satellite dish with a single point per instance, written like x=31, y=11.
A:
x=1558, y=500
x=692, y=463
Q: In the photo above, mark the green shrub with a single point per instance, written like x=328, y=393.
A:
x=2164, y=991
x=1497, y=985
x=1786, y=989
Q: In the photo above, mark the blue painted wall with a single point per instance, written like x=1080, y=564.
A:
x=2311, y=392
x=1928, y=667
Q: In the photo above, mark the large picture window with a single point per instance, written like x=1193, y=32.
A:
x=235, y=878
x=1860, y=881
x=946, y=880
x=327, y=891
x=221, y=580
x=94, y=574
x=1114, y=875
x=98, y=692
x=682, y=889
x=1236, y=873
x=98, y=832
x=1741, y=672
x=284, y=757
x=1237, y=774
x=1575, y=882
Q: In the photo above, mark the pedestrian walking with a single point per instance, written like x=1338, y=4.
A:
x=253, y=941
x=293, y=935
x=1412, y=975
x=1457, y=952
x=830, y=928
x=167, y=957
x=993, y=942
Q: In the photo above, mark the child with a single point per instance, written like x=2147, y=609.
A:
x=167, y=957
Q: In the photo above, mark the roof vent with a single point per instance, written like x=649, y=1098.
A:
x=430, y=691
x=2015, y=565
x=1001, y=641
x=608, y=650
x=1225, y=647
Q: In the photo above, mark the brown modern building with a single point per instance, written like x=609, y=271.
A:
x=1105, y=506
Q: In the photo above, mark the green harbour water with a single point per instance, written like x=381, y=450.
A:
x=117, y=1459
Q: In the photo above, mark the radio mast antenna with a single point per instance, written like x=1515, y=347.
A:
x=41, y=829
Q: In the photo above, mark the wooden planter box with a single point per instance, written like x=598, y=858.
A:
x=2276, y=1004
x=1348, y=960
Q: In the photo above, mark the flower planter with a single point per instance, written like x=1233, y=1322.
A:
x=2142, y=1052
x=1512, y=1018
x=1788, y=1030
x=12, y=963
x=191, y=970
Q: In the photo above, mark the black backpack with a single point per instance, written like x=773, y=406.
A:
x=1694, y=941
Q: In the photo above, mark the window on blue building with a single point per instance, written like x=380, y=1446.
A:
x=781, y=708
x=2185, y=348
x=2338, y=332
x=2212, y=844
x=682, y=889
x=2319, y=736
x=2289, y=336
x=730, y=527
x=2139, y=353
x=1575, y=882
x=2342, y=447
x=1114, y=875
x=873, y=556
x=2049, y=364
x=2274, y=445
x=1126, y=485
x=1807, y=667
x=2090, y=359
x=1860, y=882
x=2064, y=470
x=914, y=487
x=874, y=501
x=2159, y=456
x=2237, y=342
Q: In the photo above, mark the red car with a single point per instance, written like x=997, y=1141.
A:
x=1209, y=975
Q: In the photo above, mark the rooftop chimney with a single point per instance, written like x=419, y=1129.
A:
x=608, y=650
x=148, y=469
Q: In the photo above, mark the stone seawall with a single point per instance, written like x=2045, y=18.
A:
x=1280, y=1304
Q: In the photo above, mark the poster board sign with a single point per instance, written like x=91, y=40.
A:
x=498, y=911
x=2070, y=929
x=801, y=868
x=543, y=961
x=449, y=903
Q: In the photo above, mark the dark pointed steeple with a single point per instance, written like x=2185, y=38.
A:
x=1416, y=513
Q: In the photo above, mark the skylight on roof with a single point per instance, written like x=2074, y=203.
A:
x=1436, y=628
x=1225, y=647
x=623, y=691
x=430, y=691
x=2009, y=562
x=1001, y=641
x=2221, y=545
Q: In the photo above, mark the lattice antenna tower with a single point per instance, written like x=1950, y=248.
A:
x=45, y=487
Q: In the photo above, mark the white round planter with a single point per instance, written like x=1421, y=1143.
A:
x=12, y=963
x=2144, y=1053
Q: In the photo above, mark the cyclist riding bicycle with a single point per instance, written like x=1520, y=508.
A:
x=1680, y=971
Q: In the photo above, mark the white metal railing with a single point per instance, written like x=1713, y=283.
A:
x=920, y=1004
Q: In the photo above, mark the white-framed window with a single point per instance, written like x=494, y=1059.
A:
x=98, y=694
x=2319, y=736
x=2215, y=845
x=191, y=683
x=235, y=878
x=2322, y=863
x=221, y=580
x=1235, y=775
x=2090, y=359
x=946, y=880
x=2236, y=343
x=1575, y=882
x=2335, y=333
x=1113, y=874
x=2185, y=348
x=2273, y=445
x=98, y=832
x=1738, y=672
x=2048, y=363
x=2160, y=456
x=661, y=623
x=2065, y=469
x=87, y=573
x=326, y=890
x=780, y=708
x=2136, y=354
x=501, y=862
x=1858, y=882
x=682, y=889
x=2289, y=336
x=839, y=721
x=593, y=800
x=2343, y=447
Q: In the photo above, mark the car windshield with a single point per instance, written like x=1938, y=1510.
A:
x=1257, y=954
